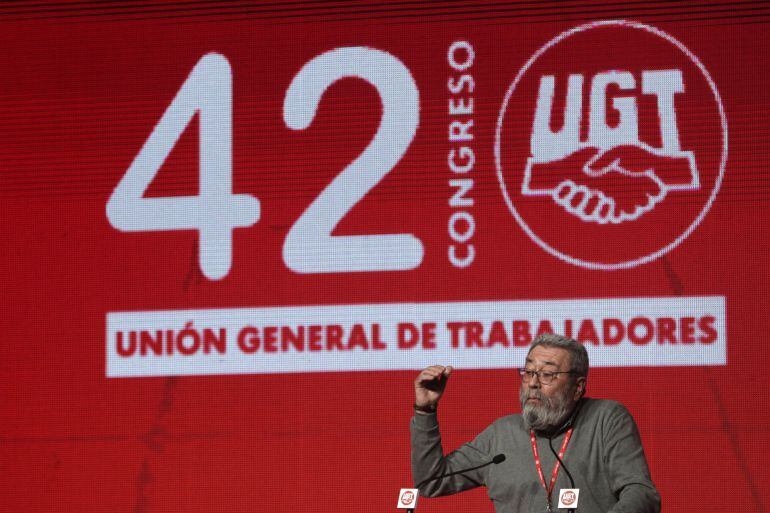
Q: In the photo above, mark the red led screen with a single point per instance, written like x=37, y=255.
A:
x=234, y=232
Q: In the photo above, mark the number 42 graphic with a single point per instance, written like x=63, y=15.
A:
x=309, y=246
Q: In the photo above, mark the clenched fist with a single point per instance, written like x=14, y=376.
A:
x=429, y=386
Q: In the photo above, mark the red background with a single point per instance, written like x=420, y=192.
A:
x=80, y=90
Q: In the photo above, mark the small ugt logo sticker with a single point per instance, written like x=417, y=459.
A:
x=611, y=145
x=568, y=498
x=407, y=498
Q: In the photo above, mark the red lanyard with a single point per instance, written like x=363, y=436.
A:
x=555, y=472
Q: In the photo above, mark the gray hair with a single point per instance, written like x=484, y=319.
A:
x=578, y=353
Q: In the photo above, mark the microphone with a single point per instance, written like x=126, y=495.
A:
x=550, y=444
x=499, y=458
x=408, y=497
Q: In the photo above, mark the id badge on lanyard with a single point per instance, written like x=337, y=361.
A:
x=555, y=472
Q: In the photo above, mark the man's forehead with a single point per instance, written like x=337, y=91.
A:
x=554, y=356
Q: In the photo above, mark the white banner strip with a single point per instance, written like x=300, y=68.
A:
x=622, y=332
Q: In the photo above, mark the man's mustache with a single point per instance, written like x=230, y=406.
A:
x=537, y=394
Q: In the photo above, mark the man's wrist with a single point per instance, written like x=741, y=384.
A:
x=425, y=410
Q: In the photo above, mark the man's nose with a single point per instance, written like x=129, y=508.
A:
x=534, y=382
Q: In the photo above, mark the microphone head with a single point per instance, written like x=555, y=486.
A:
x=498, y=459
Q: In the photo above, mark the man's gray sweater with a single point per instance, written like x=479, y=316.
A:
x=604, y=456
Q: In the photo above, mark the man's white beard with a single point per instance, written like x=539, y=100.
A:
x=549, y=413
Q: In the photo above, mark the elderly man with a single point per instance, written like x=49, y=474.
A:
x=598, y=441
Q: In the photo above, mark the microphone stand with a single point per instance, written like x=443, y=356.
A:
x=497, y=459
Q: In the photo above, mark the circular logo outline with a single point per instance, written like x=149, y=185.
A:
x=717, y=184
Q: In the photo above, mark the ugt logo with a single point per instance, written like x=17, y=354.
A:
x=611, y=145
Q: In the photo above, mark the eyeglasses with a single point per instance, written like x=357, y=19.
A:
x=545, y=377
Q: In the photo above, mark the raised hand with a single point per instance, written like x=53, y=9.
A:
x=429, y=386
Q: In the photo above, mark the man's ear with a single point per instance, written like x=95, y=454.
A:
x=580, y=388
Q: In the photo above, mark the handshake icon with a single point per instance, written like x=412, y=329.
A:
x=612, y=185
